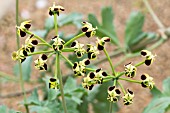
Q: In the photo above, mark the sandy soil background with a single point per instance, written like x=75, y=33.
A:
x=122, y=8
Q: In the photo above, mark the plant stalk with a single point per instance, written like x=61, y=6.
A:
x=110, y=62
x=58, y=73
x=75, y=38
x=20, y=66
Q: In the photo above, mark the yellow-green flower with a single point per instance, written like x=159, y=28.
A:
x=87, y=83
x=58, y=43
x=55, y=9
x=40, y=63
x=20, y=54
x=113, y=94
x=24, y=26
x=92, y=51
x=128, y=97
x=88, y=29
x=149, y=57
x=147, y=81
x=101, y=42
x=79, y=50
x=99, y=76
x=53, y=83
x=130, y=70
x=79, y=68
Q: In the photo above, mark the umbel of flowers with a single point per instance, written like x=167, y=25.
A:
x=94, y=76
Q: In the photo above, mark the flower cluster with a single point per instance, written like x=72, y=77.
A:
x=58, y=43
x=27, y=48
x=130, y=70
x=101, y=42
x=78, y=48
x=113, y=94
x=128, y=97
x=88, y=29
x=53, y=83
x=24, y=26
x=79, y=68
x=94, y=78
x=55, y=9
x=149, y=57
x=40, y=63
x=147, y=81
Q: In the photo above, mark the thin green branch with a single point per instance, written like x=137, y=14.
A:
x=40, y=52
x=39, y=38
x=20, y=67
x=66, y=59
x=73, y=39
x=122, y=88
x=130, y=80
x=110, y=62
x=8, y=77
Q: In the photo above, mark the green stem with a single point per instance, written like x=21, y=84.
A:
x=68, y=50
x=40, y=52
x=120, y=74
x=39, y=38
x=20, y=67
x=66, y=59
x=108, y=57
x=51, y=54
x=60, y=80
x=122, y=88
x=75, y=38
x=58, y=73
x=140, y=63
x=113, y=54
x=158, y=43
x=42, y=44
x=110, y=107
x=55, y=24
x=130, y=80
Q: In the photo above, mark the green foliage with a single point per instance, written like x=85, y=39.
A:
x=161, y=101
x=107, y=27
x=4, y=109
x=26, y=69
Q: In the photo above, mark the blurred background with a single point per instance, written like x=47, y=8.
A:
x=37, y=11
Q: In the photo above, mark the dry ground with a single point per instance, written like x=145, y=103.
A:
x=159, y=70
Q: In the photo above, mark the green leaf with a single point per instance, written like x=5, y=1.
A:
x=33, y=99
x=52, y=94
x=156, y=92
x=166, y=87
x=92, y=19
x=107, y=26
x=158, y=105
x=40, y=33
x=69, y=19
x=40, y=109
x=26, y=69
x=134, y=28
x=70, y=85
x=3, y=109
x=49, y=23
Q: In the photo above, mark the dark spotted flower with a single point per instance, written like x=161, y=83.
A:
x=92, y=51
x=113, y=94
x=79, y=50
x=88, y=29
x=30, y=44
x=79, y=68
x=24, y=26
x=40, y=63
x=55, y=9
x=128, y=97
x=88, y=83
x=101, y=42
x=99, y=76
x=147, y=81
x=149, y=57
x=130, y=70
x=20, y=54
x=58, y=43
x=53, y=83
